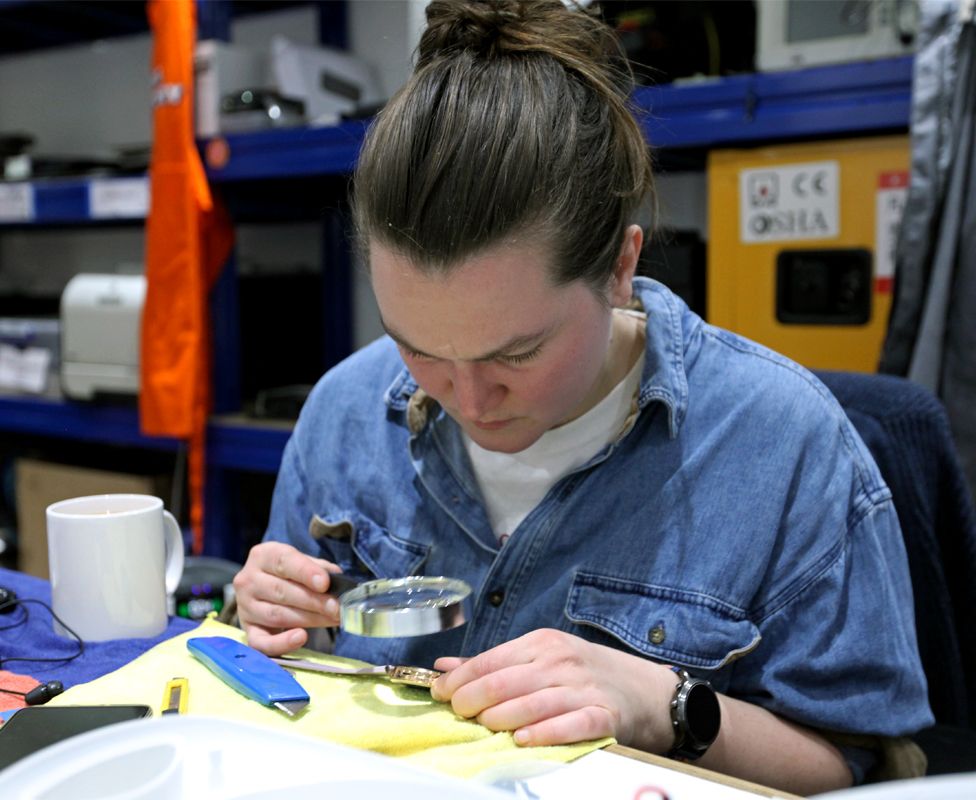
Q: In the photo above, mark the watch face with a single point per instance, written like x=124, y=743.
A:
x=702, y=713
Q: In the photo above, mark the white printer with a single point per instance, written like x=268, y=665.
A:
x=101, y=318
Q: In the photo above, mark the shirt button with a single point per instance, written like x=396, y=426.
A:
x=496, y=597
x=656, y=634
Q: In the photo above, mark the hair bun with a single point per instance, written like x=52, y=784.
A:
x=490, y=29
x=481, y=27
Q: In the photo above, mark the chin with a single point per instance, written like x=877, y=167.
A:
x=503, y=441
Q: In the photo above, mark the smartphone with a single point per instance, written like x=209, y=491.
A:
x=35, y=727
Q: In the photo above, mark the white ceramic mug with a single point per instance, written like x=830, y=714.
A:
x=113, y=559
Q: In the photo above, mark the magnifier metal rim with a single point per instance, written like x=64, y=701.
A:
x=432, y=616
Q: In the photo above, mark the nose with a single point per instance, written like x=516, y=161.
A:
x=475, y=393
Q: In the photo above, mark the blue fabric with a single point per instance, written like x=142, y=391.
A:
x=907, y=430
x=741, y=515
x=28, y=632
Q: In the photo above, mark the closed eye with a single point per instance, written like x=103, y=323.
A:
x=416, y=354
x=513, y=359
x=520, y=358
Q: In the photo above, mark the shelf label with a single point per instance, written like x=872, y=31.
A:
x=118, y=198
x=889, y=207
x=796, y=201
x=16, y=202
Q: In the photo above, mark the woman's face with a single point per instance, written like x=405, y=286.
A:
x=503, y=351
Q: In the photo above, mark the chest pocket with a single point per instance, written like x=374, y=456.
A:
x=672, y=626
x=361, y=547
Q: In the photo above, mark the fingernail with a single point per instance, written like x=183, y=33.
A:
x=297, y=639
x=522, y=737
x=331, y=607
x=318, y=583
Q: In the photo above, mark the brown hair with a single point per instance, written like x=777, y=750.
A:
x=515, y=121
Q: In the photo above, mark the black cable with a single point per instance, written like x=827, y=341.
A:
x=40, y=694
x=16, y=601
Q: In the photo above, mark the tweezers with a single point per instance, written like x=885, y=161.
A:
x=411, y=676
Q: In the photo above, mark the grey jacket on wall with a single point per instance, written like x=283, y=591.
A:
x=932, y=332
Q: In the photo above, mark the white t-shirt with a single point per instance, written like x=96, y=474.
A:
x=512, y=484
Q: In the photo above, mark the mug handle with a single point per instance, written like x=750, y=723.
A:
x=174, y=553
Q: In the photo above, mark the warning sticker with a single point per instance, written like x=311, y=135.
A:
x=797, y=201
x=889, y=207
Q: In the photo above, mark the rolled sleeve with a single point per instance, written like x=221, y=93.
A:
x=841, y=653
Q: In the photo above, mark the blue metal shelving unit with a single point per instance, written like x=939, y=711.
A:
x=234, y=443
x=79, y=421
x=824, y=101
x=290, y=153
x=68, y=201
x=820, y=101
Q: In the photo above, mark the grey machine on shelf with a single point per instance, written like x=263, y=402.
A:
x=101, y=317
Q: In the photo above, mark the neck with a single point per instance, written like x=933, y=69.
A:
x=623, y=350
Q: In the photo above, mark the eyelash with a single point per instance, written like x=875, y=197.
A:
x=515, y=359
x=520, y=358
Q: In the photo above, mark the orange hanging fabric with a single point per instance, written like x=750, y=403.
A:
x=188, y=239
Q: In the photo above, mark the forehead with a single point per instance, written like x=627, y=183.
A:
x=483, y=302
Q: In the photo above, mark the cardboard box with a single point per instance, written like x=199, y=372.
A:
x=40, y=483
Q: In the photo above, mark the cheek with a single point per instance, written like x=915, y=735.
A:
x=552, y=386
x=573, y=372
x=431, y=376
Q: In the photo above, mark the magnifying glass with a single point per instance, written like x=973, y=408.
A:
x=394, y=607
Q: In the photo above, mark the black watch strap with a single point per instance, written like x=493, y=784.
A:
x=695, y=716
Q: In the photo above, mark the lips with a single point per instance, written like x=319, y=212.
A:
x=492, y=426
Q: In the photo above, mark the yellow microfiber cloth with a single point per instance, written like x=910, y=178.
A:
x=364, y=712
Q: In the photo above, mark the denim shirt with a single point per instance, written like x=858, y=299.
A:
x=738, y=528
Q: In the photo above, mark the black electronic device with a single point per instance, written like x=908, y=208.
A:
x=695, y=716
x=34, y=727
x=824, y=287
x=8, y=598
x=205, y=586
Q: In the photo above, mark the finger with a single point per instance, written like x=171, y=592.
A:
x=438, y=689
x=487, y=691
x=528, y=709
x=581, y=725
x=447, y=663
x=284, y=561
x=276, y=591
x=483, y=665
x=275, y=643
x=277, y=616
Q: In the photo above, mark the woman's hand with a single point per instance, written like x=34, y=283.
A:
x=280, y=592
x=550, y=687
x=553, y=688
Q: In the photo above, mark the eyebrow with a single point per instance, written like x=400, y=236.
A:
x=515, y=344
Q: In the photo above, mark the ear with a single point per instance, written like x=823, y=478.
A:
x=621, y=290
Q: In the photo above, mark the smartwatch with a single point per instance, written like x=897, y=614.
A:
x=695, y=716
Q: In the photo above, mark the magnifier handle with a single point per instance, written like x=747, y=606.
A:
x=340, y=583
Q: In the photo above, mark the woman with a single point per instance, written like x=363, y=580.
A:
x=630, y=491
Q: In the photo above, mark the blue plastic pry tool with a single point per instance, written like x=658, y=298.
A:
x=251, y=673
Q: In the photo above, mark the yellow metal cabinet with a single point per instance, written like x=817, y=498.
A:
x=801, y=246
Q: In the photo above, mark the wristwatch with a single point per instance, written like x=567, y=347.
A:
x=695, y=716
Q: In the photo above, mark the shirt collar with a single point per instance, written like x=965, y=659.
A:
x=400, y=391
x=663, y=379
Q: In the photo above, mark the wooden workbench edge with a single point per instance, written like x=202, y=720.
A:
x=698, y=772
